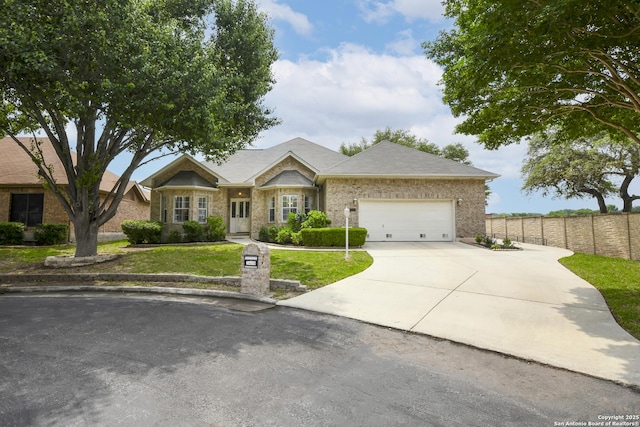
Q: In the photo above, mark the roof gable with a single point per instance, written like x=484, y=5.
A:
x=390, y=159
x=245, y=165
x=288, y=178
x=187, y=179
x=184, y=162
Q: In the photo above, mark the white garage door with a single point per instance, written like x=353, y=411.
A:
x=407, y=221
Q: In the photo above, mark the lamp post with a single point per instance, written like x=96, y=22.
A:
x=347, y=212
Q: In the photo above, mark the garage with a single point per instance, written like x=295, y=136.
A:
x=407, y=220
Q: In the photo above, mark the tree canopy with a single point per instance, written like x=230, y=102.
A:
x=132, y=76
x=595, y=167
x=515, y=68
x=456, y=152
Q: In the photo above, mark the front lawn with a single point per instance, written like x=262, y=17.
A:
x=618, y=280
x=313, y=269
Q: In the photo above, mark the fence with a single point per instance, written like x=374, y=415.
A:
x=612, y=235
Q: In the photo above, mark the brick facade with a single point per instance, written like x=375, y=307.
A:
x=131, y=207
x=470, y=214
x=330, y=195
x=261, y=197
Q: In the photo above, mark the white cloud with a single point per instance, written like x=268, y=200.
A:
x=351, y=94
x=380, y=11
x=404, y=44
x=283, y=12
x=354, y=92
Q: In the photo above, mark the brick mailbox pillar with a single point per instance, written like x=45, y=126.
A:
x=256, y=269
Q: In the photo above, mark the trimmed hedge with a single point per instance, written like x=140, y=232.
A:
x=11, y=233
x=139, y=231
x=327, y=237
x=51, y=234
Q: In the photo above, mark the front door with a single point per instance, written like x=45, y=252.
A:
x=240, y=215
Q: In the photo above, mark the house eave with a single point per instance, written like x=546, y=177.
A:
x=186, y=187
x=273, y=187
x=322, y=178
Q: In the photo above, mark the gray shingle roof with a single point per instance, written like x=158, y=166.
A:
x=389, y=159
x=244, y=165
x=289, y=178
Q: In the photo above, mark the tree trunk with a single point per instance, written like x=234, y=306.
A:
x=86, y=232
x=601, y=203
x=627, y=199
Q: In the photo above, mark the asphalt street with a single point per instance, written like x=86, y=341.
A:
x=92, y=360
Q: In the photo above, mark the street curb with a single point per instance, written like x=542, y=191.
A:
x=138, y=289
x=274, y=284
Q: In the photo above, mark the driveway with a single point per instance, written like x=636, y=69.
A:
x=522, y=303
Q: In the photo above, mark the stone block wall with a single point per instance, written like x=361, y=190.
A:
x=613, y=235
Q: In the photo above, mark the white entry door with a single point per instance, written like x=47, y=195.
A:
x=240, y=216
x=407, y=220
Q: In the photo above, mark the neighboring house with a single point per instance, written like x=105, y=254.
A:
x=24, y=198
x=396, y=193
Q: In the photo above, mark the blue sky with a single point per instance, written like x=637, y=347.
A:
x=350, y=67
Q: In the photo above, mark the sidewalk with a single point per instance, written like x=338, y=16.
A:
x=521, y=303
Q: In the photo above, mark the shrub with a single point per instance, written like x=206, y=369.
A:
x=488, y=242
x=192, y=231
x=263, y=234
x=285, y=236
x=507, y=243
x=296, y=238
x=139, y=231
x=479, y=239
x=51, y=234
x=295, y=220
x=328, y=237
x=174, y=236
x=215, y=230
x=316, y=219
x=11, y=233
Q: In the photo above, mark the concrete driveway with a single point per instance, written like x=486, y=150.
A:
x=522, y=303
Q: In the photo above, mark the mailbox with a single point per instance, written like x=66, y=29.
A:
x=251, y=261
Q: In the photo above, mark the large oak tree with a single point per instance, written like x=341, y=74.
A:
x=143, y=77
x=588, y=167
x=515, y=68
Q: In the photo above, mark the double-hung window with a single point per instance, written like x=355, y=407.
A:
x=202, y=210
x=181, y=209
x=307, y=204
x=289, y=204
x=272, y=209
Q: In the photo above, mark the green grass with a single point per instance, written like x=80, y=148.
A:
x=312, y=268
x=618, y=280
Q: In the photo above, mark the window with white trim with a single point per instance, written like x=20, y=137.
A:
x=203, y=211
x=289, y=204
x=307, y=204
x=181, y=209
x=272, y=209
